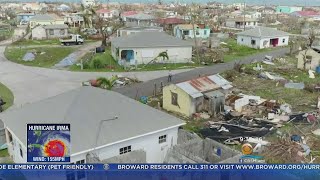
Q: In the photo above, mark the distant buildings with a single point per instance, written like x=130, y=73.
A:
x=107, y=14
x=140, y=19
x=141, y=48
x=24, y=18
x=263, y=37
x=133, y=30
x=186, y=31
x=45, y=19
x=288, y=9
x=241, y=22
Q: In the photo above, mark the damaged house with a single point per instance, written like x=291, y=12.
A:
x=201, y=94
x=309, y=59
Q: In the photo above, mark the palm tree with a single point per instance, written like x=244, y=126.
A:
x=106, y=83
x=163, y=55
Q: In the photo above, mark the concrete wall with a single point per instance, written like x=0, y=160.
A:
x=138, y=156
x=155, y=152
x=57, y=33
x=126, y=32
x=232, y=24
x=184, y=100
x=134, y=22
x=246, y=41
x=315, y=61
x=176, y=54
x=14, y=148
x=193, y=149
x=35, y=23
x=38, y=33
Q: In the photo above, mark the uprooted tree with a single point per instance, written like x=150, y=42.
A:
x=164, y=55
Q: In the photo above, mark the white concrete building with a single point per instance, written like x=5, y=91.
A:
x=104, y=123
x=263, y=37
x=241, y=22
x=141, y=48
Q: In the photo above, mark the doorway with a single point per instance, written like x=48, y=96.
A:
x=274, y=42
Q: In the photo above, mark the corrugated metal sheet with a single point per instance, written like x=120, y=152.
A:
x=195, y=87
x=189, y=89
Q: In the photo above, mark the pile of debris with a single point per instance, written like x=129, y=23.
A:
x=118, y=82
x=293, y=150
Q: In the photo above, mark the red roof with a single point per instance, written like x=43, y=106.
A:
x=129, y=13
x=170, y=21
x=103, y=11
x=308, y=13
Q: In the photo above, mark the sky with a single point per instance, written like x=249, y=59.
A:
x=256, y=2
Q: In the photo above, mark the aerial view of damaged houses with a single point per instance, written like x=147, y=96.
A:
x=163, y=81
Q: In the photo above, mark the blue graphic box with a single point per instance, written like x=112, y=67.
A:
x=48, y=142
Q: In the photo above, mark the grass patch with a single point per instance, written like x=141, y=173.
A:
x=238, y=51
x=98, y=62
x=36, y=42
x=4, y=153
x=7, y=96
x=51, y=56
x=167, y=66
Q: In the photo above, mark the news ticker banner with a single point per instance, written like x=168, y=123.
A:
x=161, y=171
x=161, y=167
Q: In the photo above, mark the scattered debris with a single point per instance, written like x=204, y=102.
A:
x=311, y=74
x=294, y=85
x=271, y=76
x=311, y=118
x=286, y=108
x=268, y=62
x=67, y=61
x=296, y=138
x=258, y=67
x=29, y=56
x=316, y=132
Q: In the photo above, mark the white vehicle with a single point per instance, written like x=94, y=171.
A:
x=72, y=39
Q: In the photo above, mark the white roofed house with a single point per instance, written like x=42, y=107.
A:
x=50, y=31
x=103, y=125
x=143, y=47
x=263, y=37
x=45, y=19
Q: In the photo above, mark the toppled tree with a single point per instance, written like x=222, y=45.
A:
x=164, y=55
x=106, y=83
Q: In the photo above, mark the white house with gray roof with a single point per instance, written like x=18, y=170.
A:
x=263, y=37
x=49, y=31
x=103, y=124
x=142, y=47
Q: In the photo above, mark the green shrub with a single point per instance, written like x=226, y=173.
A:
x=97, y=63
